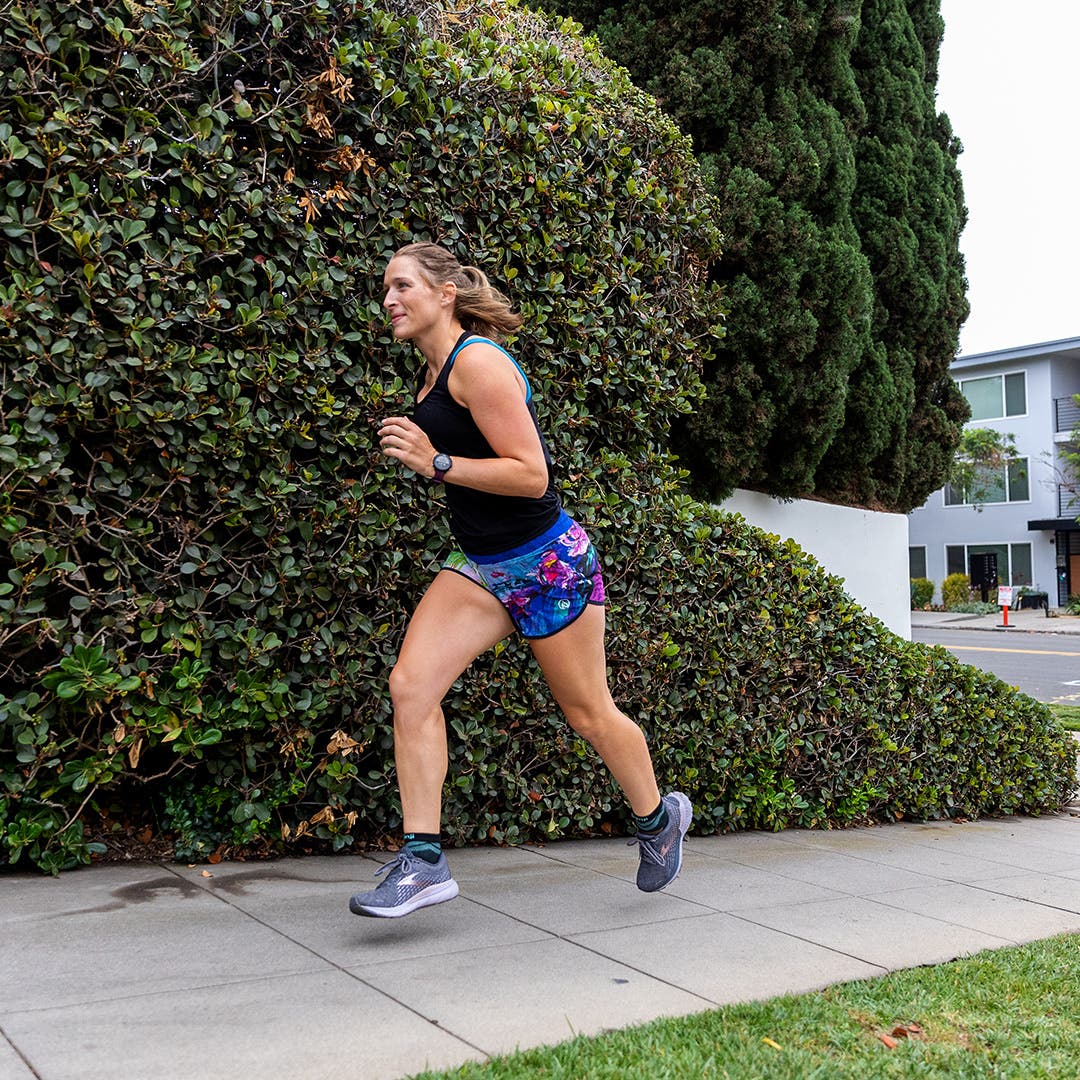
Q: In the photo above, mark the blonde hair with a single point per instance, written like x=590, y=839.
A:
x=479, y=306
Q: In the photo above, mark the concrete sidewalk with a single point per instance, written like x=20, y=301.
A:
x=1028, y=620
x=247, y=970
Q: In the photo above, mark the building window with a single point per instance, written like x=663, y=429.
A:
x=1020, y=564
x=916, y=557
x=955, y=559
x=1005, y=485
x=1013, y=560
x=1016, y=475
x=995, y=397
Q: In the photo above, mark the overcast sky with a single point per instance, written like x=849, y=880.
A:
x=1008, y=82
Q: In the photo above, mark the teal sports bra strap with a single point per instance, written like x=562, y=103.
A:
x=472, y=339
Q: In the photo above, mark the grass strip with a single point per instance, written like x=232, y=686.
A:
x=1067, y=715
x=1005, y=1013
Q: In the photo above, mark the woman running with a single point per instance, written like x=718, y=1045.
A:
x=522, y=565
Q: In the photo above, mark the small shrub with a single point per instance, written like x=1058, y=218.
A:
x=922, y=593
x=956, y=590
x=975, y=607
x=1073, y=604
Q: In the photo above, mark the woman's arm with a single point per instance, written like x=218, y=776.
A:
x=490, y=387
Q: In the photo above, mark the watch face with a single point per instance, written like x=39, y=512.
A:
x=442, y=462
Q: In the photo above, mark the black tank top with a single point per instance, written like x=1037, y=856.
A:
x=482, y=523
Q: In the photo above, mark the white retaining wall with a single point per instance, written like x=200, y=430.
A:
x=869, y=550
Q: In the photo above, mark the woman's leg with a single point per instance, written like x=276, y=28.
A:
x=575, y=667
x=455, y=621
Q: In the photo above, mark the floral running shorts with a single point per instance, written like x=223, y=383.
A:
x=545, y=584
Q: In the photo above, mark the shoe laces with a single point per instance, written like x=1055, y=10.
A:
x=402, y=862
x=649, y=846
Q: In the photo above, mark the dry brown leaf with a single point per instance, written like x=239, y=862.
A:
x=341, y=743
x=907, y=1031
x=206, y=873
x=889, y=1041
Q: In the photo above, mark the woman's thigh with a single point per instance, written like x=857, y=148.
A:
x=455, y=621
x=574, y=664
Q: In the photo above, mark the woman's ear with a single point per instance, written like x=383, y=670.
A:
x=449, y=293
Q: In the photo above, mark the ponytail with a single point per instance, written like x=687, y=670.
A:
x=478, y=305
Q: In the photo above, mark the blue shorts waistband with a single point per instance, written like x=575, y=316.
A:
x=563, y=523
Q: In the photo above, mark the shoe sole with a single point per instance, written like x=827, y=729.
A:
x=433, y=894
x=686, y=819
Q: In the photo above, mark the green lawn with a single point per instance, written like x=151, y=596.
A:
x=1008, y=1013
x=1069, y=715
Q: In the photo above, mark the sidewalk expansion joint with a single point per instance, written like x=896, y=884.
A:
x=810, y=941
x=22, y=1057
x=984, y=887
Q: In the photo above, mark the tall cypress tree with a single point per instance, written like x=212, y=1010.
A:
x=765, y=90
x=841, y=204
x=904, y=411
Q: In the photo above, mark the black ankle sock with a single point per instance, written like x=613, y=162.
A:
x=654, y=822
x=426, y=846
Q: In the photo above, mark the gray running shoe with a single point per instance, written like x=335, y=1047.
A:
x=411, y=883
x=661, y=853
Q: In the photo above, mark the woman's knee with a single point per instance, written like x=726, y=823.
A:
x=413, y=702
x=399, y=683
x=592, y=722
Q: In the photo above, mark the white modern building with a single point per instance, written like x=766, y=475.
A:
x=1029, y=520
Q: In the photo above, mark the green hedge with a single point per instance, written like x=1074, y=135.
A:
x=207, y=566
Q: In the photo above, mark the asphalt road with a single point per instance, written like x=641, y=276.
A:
x=1045, y=666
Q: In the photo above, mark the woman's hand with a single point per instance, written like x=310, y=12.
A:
x=403, y=440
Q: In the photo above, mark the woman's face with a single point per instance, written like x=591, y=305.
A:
x=413, y=304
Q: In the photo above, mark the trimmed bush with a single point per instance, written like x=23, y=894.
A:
x=922, y=593
x=207, y=565
x=956, y=590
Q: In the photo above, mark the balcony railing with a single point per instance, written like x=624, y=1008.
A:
x=1066, y=415
x=1068, y=499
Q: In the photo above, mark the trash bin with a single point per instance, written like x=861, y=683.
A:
x=1035, y=600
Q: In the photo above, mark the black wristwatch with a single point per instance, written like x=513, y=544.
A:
x=442, y=464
